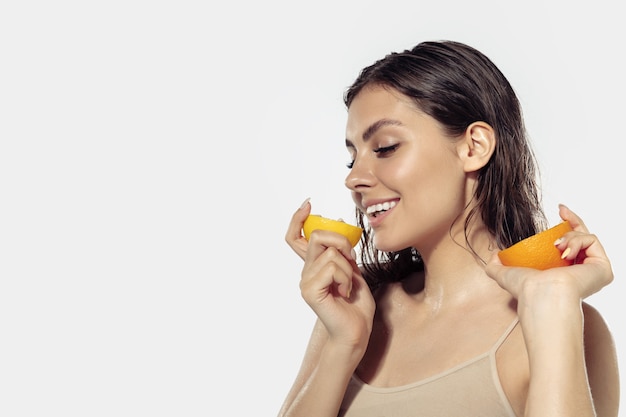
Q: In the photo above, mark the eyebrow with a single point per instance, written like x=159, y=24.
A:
x=375, y=127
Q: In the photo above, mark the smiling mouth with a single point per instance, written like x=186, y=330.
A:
x=376, y=209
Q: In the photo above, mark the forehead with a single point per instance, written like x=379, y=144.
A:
x=375, y=103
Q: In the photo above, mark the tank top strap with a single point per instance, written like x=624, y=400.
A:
x=506, y=334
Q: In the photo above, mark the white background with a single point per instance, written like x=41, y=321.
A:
x=152, y=153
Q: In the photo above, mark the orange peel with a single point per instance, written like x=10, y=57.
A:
x=537, y=251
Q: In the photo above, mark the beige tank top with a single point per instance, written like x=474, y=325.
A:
x=471, y=389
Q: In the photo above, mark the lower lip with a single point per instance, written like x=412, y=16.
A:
x=376, y=221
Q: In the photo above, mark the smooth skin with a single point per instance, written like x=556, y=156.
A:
x=559, y=361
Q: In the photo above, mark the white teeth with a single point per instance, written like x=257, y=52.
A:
x=376, y=208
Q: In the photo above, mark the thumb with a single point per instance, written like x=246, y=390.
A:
x=505, y=276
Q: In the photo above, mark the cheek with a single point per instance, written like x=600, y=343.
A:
x=431, y=184
x=402, y=171
x=424, y=175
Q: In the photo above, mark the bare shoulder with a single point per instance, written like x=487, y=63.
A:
x=601, y=361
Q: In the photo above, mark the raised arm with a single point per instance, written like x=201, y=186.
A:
x=573, y=371
x=332, y=285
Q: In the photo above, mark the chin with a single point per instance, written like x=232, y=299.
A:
x=384, y=246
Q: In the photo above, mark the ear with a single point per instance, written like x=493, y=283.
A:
x=476, y=146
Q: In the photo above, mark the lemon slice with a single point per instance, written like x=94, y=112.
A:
x=314, y=221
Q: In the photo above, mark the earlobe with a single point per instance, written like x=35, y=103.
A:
x=477, y=146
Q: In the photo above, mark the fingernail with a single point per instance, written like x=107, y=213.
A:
x=304, y=203
x=563, y=206
x=558, y=241
x=565, y=253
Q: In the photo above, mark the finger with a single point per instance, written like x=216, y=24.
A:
x=327, y=238
x=575, y=221
x=579, y=247
x=341, y=279
x=293, y=236
x=316, y=259
x=509, y=278
x=294, y=230
x=328, y=273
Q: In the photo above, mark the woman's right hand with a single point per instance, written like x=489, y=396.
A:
x=294, y=237
x=331, y=282
x=332, y=285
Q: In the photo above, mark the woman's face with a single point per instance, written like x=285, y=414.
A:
x=406, y=174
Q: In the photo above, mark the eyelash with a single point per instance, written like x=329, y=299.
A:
x=382, y=152
x=386, y=149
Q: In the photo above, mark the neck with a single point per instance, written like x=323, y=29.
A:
x=455, y=269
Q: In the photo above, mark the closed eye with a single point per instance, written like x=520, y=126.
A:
x=383, y=151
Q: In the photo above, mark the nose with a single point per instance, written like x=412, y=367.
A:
x=360, y=176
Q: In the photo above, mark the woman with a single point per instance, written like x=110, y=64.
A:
x=428, y=322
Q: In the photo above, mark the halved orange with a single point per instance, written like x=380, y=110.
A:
x=537, y=251
x=314, y=221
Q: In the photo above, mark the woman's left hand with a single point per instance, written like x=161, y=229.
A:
x=589, y=274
